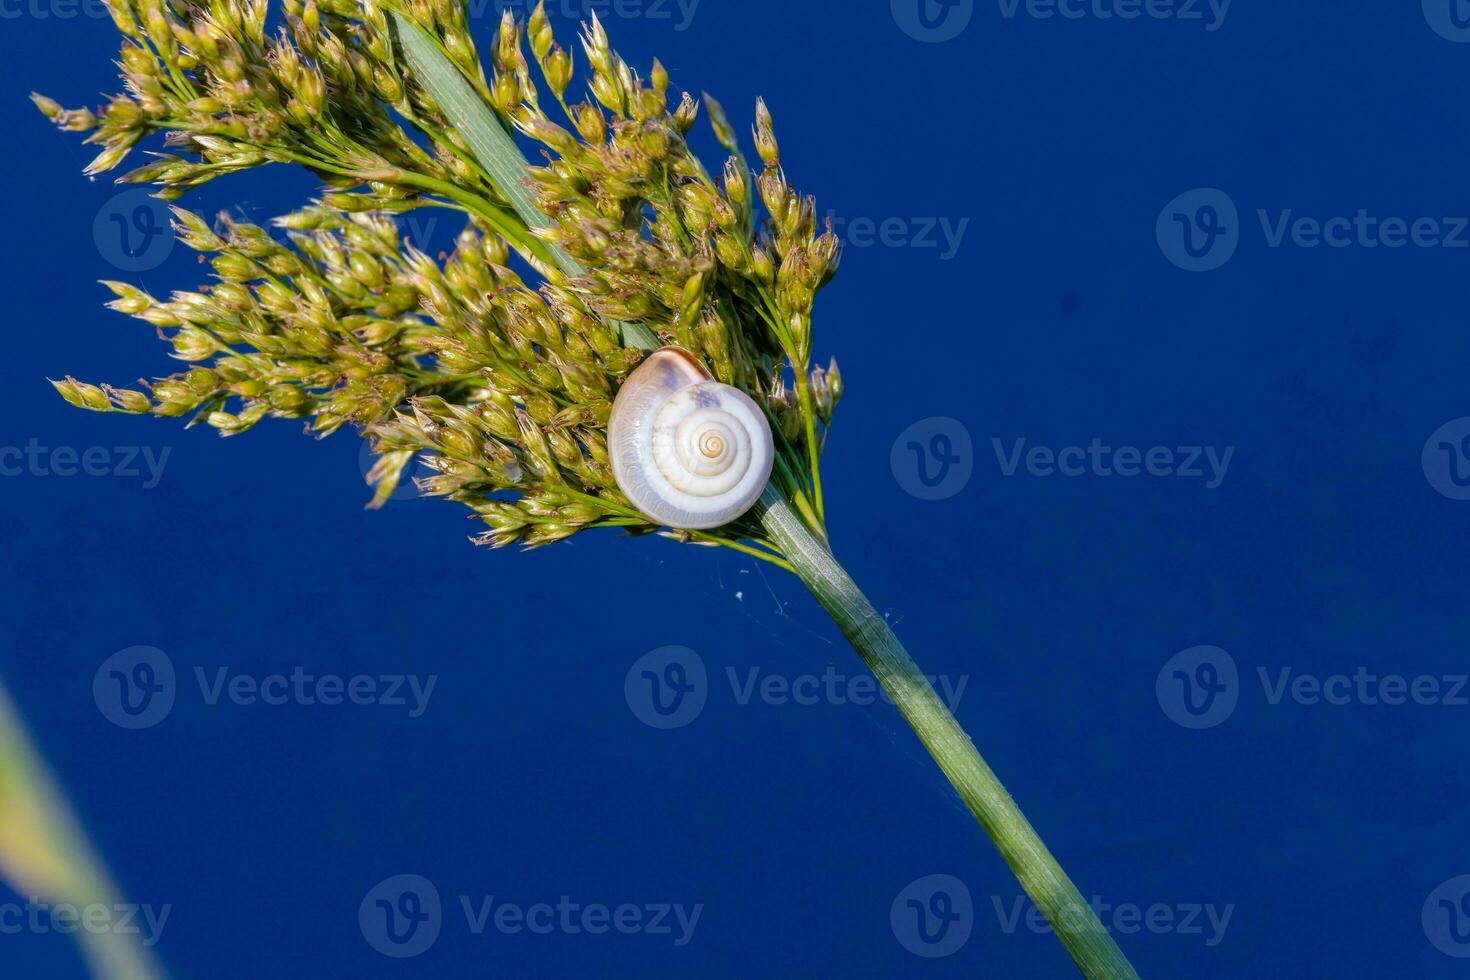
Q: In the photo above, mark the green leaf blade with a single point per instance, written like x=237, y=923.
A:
x=493, y=146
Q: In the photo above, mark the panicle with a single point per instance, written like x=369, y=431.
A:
x=483, y=370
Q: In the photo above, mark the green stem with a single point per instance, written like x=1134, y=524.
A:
x=500, y=220
x=814, y=452
x=1072, y=918
x=743, y=548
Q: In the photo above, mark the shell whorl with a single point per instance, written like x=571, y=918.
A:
x=689, y=452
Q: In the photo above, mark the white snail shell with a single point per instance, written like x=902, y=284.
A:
x=689, y=452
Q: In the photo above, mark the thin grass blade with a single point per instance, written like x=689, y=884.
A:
x=494, y=147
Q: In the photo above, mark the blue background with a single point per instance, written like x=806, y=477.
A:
x=1059, y=319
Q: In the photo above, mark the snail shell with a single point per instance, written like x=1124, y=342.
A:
x=689, y=452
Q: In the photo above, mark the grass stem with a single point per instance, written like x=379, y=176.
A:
x=1071, y=917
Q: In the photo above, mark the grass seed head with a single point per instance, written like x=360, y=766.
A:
x=500, y=383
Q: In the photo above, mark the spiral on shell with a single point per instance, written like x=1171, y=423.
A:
x=689, y=452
